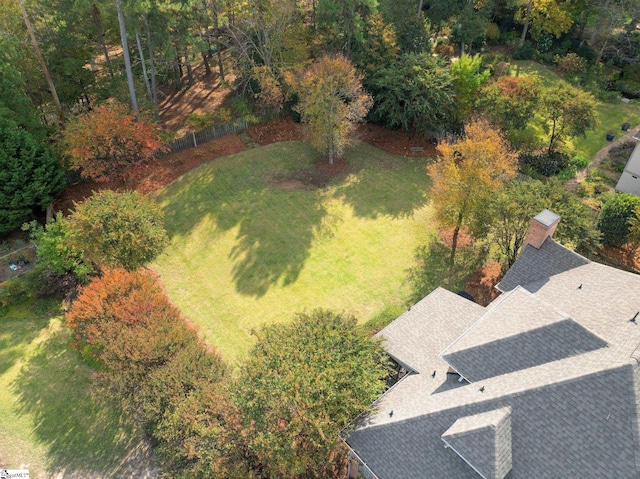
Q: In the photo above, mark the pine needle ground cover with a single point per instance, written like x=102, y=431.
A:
x=262, y=234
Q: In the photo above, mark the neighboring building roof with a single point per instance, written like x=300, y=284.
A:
x=558, y=351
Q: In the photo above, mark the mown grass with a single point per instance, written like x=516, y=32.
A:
x=51, y=422
x=249, y=248
x=611, y=115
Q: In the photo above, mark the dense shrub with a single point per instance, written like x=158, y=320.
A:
x=571, y=64
x=122, y=230
x=153, y=363
x=302, y=383
x=546, y=164
x=628, y=88
x=525, y=52
x=614, y=218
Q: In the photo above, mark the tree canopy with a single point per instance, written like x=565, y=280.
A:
x=108, y=140
x=469, y=170
x=30, y=175
x=117, y=229
x=302, y=383
x=331, y=101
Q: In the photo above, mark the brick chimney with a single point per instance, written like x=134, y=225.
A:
x=542, y=227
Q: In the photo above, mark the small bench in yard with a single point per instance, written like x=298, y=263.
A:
x=416, y=149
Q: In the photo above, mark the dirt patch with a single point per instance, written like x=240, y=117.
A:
x=464, y=238
x=338, y=166
x=481, y=284
x=154, y=175
x=308, y=178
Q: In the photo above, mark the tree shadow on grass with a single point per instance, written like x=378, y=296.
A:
x=276, y=228
x=85, y=435
x=432, y=268
x=385, y=184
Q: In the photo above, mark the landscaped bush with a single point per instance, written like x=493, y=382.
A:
x=571, y=64
x=546, y=164
x=614, y=218
x=526, y=52
x=629, y=88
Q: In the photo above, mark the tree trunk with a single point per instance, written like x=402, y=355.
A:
x=216, y=29
x=454, y=238
x=205, y=62
x=604, y=46
x=144, y=66
x=36, y=47
x=552, y=138
x=152, y=65
x=526, y=24
x=189, y=71
x=127, y=59
x=420, y=8
x=103, y=44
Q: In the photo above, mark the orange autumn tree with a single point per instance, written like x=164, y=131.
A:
x=469, y=171
x=332, y=101
x=108, y=140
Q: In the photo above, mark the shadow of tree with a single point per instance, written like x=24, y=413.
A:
x=275, y=228
x=384, y=184
x=84, y=433
x=15, y=335
x=432, y=267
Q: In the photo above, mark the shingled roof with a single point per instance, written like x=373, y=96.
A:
x=557, y=351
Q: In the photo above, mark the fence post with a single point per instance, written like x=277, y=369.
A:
x=194, y=139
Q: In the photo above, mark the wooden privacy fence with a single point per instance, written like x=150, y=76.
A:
x=191, y=140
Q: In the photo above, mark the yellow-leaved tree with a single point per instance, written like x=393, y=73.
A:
x=331, y=101
x=468, y=172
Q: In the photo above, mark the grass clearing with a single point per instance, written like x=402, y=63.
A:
x=50, y=421
x=610, y=115
x=252, y=243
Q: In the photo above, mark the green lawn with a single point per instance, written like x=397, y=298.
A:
x=611, y=115
x=248, y=248
x=50, y=422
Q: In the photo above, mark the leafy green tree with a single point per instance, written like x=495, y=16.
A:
x=55, y=251
x=117, y=229
x=331, y=101
x=378, y=49
x=510, y=102
x=415, y=93
x=14, y=102
x=30, y=176
x=341, y=24
x=615, y=216
x=568, y=112
x=302, y=383
x=468, y=76
x=510, y=212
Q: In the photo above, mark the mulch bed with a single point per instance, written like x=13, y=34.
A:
x=481, y=284
x=464, y=238
x=157, y=174
x=154, y=175
x=392, y=141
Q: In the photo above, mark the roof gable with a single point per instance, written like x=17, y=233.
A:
x=520, y=332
